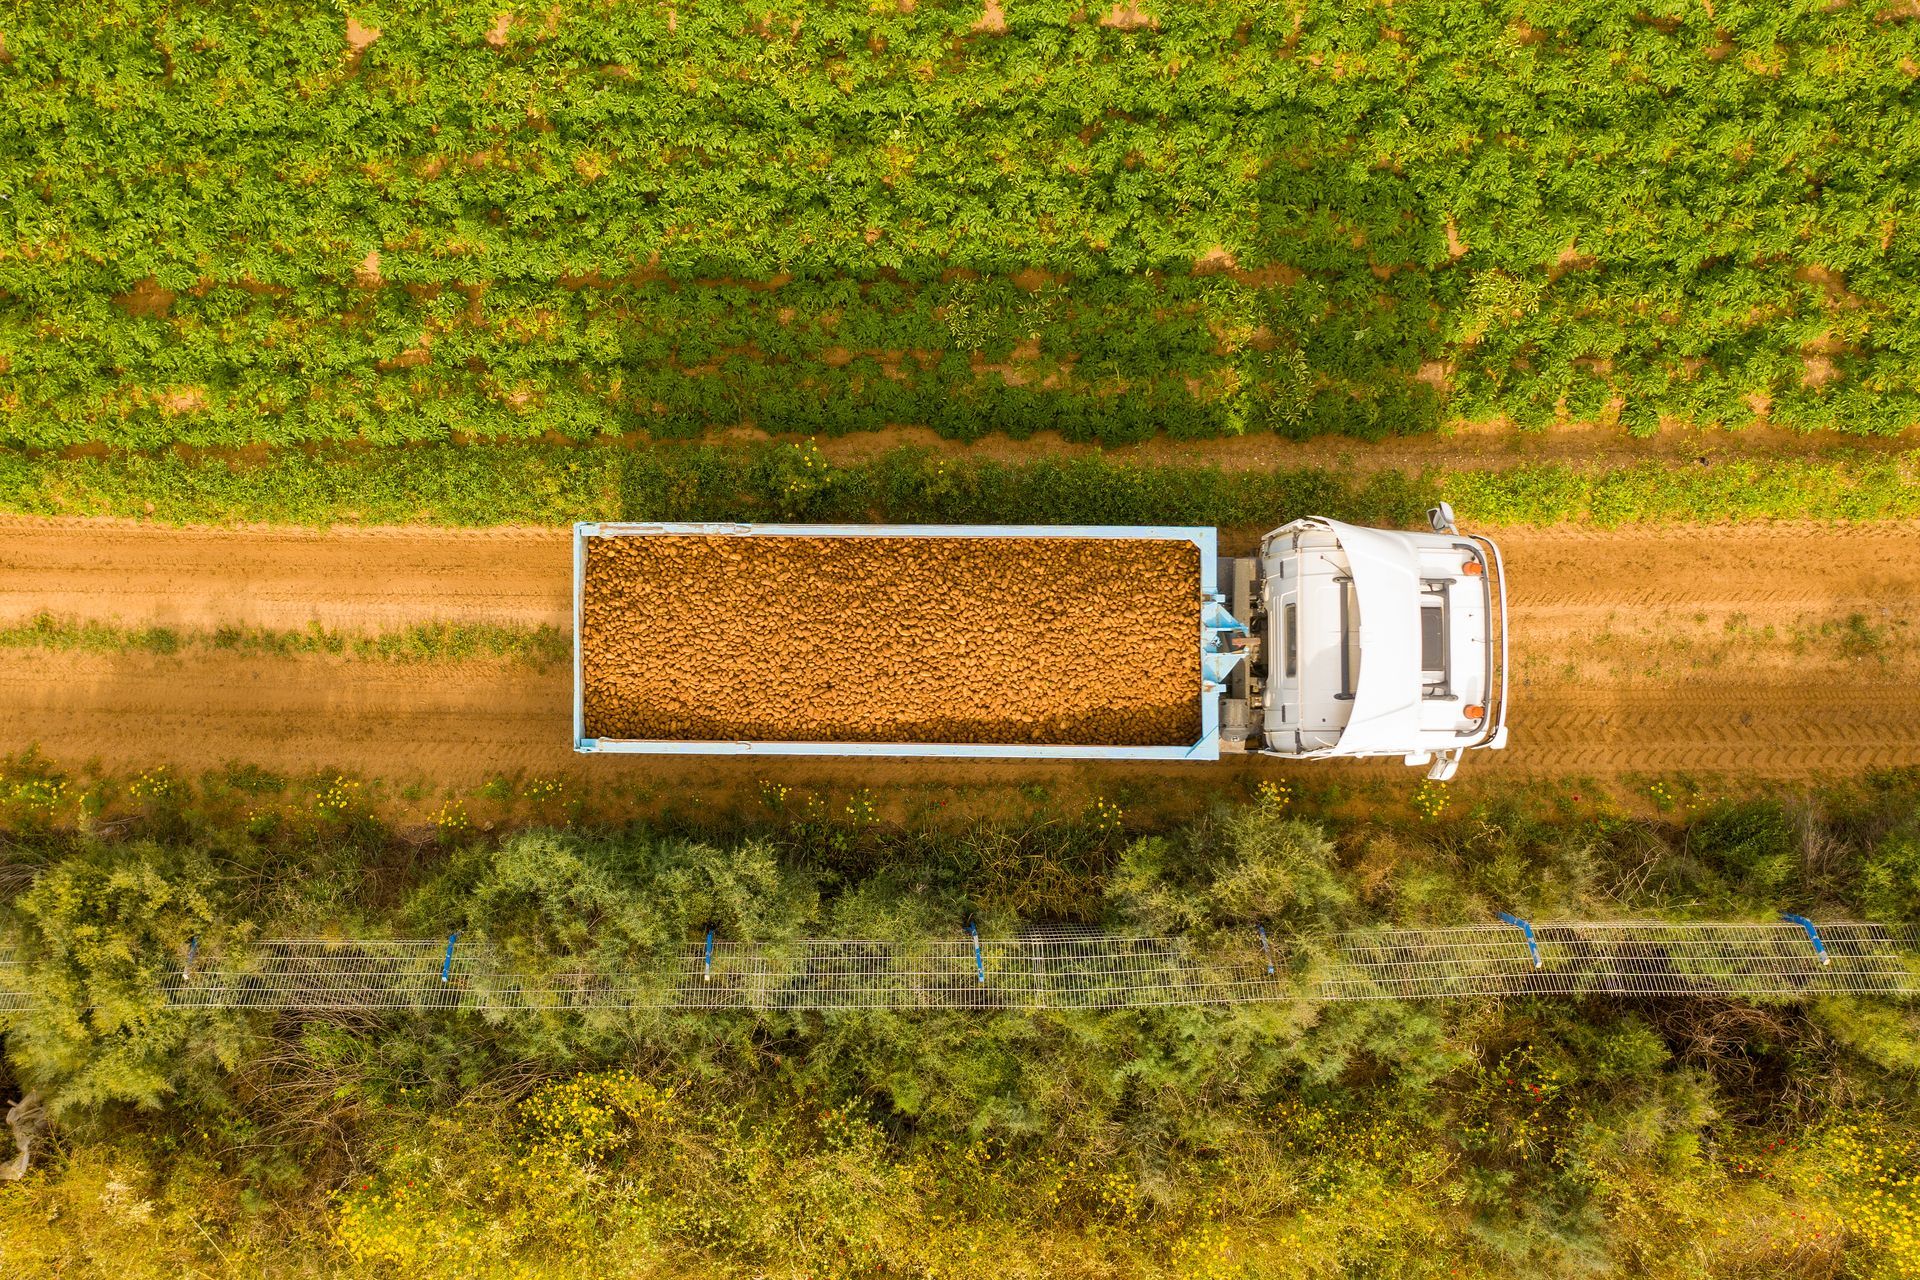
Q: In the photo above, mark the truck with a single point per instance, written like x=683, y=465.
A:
x=1039, y=642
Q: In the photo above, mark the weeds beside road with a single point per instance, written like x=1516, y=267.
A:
x=544, y=484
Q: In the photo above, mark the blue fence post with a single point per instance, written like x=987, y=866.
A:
x=1266, y=948
x=706, y=965
x=979, y=960
x=1813, y=936
x=446, y=964
x=1527, y=929
x=193, y=949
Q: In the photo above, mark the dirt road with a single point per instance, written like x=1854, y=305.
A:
x=282, y=577
x=1771, y=650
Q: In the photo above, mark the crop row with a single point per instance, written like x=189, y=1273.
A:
x=536, y=483
x=274, y=224
x=1115, y=359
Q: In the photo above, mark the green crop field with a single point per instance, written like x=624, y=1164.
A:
x=278, y=223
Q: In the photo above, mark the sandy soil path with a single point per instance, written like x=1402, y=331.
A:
x=283, y=578
x=1776, y=650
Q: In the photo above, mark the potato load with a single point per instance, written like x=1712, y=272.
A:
x=771, y=638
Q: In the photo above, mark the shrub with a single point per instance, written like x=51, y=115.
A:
x=1256, y=866
x=550, y=896
x=101, y=934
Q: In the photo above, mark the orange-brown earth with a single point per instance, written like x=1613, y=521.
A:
x=795, y=639
x=1776, y=650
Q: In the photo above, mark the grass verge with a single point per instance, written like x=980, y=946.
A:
x=421, y=642
x=477, y=485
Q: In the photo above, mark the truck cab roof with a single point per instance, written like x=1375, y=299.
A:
x=1380, y=643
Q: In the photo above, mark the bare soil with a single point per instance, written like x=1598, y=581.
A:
x=1780, y=651
x=770, y=639
x=282, y=578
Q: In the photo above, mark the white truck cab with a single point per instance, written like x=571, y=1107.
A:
x=1369, y=642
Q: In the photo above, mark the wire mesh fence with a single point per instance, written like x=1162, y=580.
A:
x=1628, y=959
x=13, y=980
x=1060, y=969
x=1038, y=970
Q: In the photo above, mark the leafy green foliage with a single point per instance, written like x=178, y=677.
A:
x=1258, y=866
x=1483, y=1139
x=556, y=485
x=1753, y=843
x=1886, y=1035
x=231, y=225
x=552, y=896
x=99, y=934
x=1890, y=880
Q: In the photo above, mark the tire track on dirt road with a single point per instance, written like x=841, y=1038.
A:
x=1636, y=650
x=282, y=578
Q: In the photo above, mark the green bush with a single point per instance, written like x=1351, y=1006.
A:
x=1256, y=867
x=550, y=896
x=101, y=933
x=1884, y=1034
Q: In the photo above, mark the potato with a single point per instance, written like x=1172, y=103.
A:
x=1036, y=640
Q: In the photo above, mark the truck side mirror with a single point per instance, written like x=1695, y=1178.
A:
x=1441, y=518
